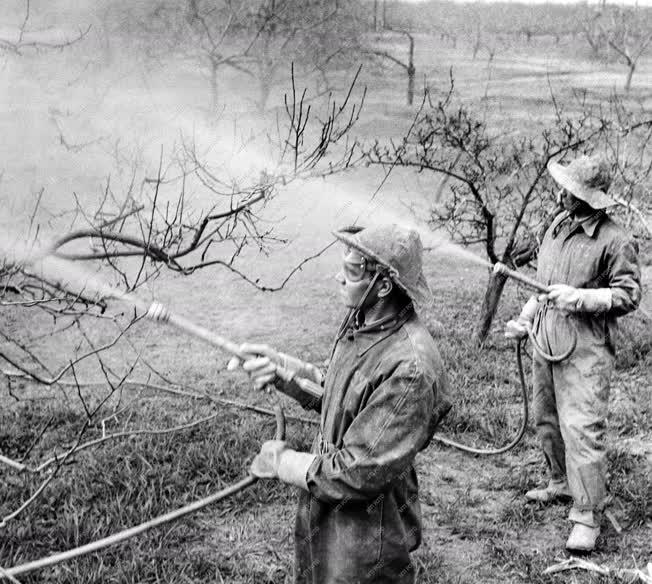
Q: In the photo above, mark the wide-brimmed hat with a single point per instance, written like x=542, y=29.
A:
x=398, y=249
x=586, y=177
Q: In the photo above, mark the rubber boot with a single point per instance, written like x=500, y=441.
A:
x=555, y=491
x=582, y=538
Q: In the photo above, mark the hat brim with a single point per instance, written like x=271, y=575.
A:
x=596, y=198
x=419, y=293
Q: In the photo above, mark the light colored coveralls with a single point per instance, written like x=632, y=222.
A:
x=384, y=392
x=571, y=397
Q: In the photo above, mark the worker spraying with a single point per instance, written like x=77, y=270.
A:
x=384, y=393
x=590, y=266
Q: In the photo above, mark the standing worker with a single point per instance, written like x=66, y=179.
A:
x=591, y=267
x=384, y=392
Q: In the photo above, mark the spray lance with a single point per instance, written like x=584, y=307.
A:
x=286, y=371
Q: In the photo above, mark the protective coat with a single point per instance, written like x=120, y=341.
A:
x=571, y=397
x=384, y=392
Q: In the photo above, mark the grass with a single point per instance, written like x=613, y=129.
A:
x=128, y=482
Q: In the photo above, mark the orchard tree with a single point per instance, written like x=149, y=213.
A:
x=315, y=35
x=407, y=63
x=211, y=34
x=255, y=39
x=25, y=37
x=620, y=33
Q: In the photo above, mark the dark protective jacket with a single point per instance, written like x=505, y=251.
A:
x=596, y=253
x=384, y=393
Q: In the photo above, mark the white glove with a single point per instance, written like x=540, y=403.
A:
x=517, y=329
x=267, y=364
x=276, y=461
x=262, y=366
x=573, y=299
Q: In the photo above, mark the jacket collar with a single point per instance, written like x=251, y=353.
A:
x=367, y=336
x=589, y=225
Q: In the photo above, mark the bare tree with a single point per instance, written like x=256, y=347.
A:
x=627, y=39
x=407, y=64
x=255, y=39
x=24, y=37
x=209, y=34
x=618, y=32
x=313, y=34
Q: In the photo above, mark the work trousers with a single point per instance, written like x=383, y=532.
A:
x=570, y=411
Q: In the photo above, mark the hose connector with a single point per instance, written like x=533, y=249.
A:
x=158, y=312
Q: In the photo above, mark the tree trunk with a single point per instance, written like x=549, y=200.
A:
x=630, y=74
x=411, y=70
x=492, y=296
x=214, y=92
x=410, y=87
x=375, y=15
x=476, y=45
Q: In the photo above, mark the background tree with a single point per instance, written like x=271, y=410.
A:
x=407, y=64
x=314, y=35
x=24, y=36
x=207, y=33
x=254, y=39
x=620, y=33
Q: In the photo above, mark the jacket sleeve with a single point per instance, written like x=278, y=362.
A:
x=307, y=401
x=624, y=275
x=381, y=442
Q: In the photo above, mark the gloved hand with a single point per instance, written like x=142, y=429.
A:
x=262, y=366
x=266, y=365
x=562, y=296
x=276, y=460
x=578, y=299
x=266, y=463
x=517, y=329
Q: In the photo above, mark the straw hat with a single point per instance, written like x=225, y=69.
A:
x=586, y=177
x=398, y=249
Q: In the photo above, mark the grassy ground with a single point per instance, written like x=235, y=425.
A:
x=477, y=526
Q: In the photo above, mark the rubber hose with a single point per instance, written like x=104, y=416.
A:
x=138, y=529
x=522, y=428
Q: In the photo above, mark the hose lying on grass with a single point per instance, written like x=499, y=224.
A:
x=121, y=536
